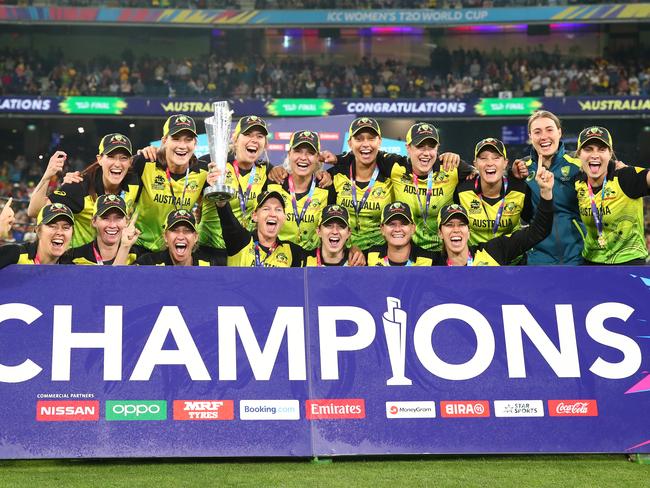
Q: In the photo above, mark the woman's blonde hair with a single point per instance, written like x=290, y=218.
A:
x=544, y=114
x=287, y=165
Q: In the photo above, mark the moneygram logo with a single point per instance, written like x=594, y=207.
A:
x=346, y=408
x=66, y=411
x=136, y=410
x=204, y=410
x=269, y=410
x=573, y=408
x=518, y=408
x=462, y=409
x=411, y=410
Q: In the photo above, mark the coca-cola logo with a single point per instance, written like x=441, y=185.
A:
x=573, y=408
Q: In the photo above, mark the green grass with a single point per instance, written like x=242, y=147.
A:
x=485, y=472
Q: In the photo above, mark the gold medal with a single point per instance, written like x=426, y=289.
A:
x=602, y=241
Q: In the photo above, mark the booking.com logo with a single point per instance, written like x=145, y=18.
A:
x=136, y=410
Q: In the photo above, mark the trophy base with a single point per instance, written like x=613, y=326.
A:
x=218, y=193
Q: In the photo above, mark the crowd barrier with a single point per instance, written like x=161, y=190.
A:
x=165, y=362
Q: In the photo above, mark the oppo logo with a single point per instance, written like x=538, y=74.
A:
x=136, y=410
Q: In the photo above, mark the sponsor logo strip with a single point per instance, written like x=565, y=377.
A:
x=344, y=408
x=204, y=410
x=411, y=410
x=573, y=408
x=465, y=409
x=67, y=411
x=136, y=410
x=518, y=408
x=269, y=410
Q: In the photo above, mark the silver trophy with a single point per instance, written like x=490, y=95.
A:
x=217, y=128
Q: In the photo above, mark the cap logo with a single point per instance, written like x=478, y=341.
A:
x=182, y=120
x=490, y=139
x=252, y=118
x=594, y=131
x=307, y=134
x=57, y=207
x=118, y=138
x=456, y=207
x=181, y=213
x=335, y=208
x=111, y=198
x=365, y=120
x=396, y=206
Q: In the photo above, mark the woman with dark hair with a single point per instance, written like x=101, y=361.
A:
x=610, y=202
x=54, y=229
x=174, y=180
x=109, y=174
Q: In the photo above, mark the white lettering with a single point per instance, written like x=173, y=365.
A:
x=595, y=324
x=28, y=369
x=64, y=340
x=169, y=321
x=564, y=361
x=235, y=319
x=484, y=342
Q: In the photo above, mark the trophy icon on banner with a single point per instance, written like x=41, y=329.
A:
x=217, y=129
x=395, y=331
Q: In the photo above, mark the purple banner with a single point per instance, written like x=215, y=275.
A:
x=411, y=108
x=154, y=362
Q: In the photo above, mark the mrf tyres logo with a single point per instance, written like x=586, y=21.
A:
x=136, y=410
x=67, y=411
x=204, y=410
x=573, y=408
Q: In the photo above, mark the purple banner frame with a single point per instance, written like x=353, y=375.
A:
x=322, y=362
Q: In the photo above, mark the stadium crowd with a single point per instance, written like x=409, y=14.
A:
x=451, y=74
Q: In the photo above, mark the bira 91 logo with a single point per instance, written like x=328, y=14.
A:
x=346, y=408
x=136, y=410
x=467, y=408
x=573, y=408
x=66, y=411
x=204, y=410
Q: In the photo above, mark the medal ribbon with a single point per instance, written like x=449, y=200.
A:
x=424, y=211
x=98, y=257
x=259, y=262
x=243, y=197
x=294, y=201
x=171, y=187
x=594, y=210
x=497, y=219
x=371, y=183
x=470, y=260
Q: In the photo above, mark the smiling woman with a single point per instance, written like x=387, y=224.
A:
x=54, y=229
x=610, y=202
x=174, y=180
x=109, y=174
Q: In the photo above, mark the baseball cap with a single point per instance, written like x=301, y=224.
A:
x=396, y=209
x=247, y=123
x=178, y=123
x=263, y=197
x=449, y=212
x=111, y=142
x=364, y=123
x=177, y=216
x=305, y=137
x=335, y=212
x=490, y=142
x=53, y=211
x=420, y=132
x=599, y=133
x=107, y=202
